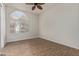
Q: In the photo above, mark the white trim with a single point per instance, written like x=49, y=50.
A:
x=20, y=39
x=47, y=38
x=2, y=25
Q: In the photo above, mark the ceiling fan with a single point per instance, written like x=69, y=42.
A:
x=38, y=5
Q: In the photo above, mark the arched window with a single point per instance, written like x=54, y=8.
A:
x=18, y=24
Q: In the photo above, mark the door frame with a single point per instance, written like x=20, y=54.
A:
x=3, y=25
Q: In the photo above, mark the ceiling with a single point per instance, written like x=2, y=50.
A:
x=25, y=7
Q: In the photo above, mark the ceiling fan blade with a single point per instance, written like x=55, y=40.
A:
x=41, y=3
x=33, y=7
x=29, y=3
x=39, y=7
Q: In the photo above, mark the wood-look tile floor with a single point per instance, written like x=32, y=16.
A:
x=38, y=47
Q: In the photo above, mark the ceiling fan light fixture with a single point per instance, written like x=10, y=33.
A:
x=38, y=5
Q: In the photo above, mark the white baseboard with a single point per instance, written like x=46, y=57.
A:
x=44, y=37
x=31, y=37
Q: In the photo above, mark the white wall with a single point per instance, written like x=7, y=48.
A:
x=33, y=26
x=0, y=25
x=61, y=24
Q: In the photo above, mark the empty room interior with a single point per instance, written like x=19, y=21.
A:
x=39, y=29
